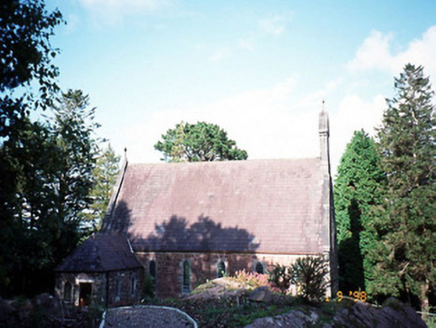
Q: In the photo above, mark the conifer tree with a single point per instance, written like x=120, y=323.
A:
x=355, y=192
x=406, y=220
x=105, y=175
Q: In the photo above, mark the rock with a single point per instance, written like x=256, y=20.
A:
x=365, y=315
x=6, y=310
x=261, y=294
x=295, y=319
x=359, y=314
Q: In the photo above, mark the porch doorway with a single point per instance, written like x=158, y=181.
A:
x=85, y=293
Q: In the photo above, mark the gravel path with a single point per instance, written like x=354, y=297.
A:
x=144, y=316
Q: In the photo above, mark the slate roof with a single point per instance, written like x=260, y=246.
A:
x=101, y=253
x=266, y=206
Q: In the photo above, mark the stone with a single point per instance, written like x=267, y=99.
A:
x=261, y=294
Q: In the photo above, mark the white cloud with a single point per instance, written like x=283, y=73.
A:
x=274, y=122
x=247, y=44
x=112, y=12
x=220, y=54
x=264, y=122
x=353, y=114
x=376, y=54
x=275, y=25
x=373, y=54
x=126, y=4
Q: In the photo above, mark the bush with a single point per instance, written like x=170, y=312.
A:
x=148, y=288
x=309, y=274
x=253, y=279
x=280, y=278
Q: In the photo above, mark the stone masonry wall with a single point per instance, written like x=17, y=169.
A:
x=124, y=287
x=204, y=266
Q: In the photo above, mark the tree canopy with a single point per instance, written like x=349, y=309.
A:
x=25, y=60
x=50, y=173
x=356, y=192
x=27, y=150
x=406, y=221
x=200, y=142
x=105, y=175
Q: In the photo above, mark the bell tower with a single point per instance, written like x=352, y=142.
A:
x=329, y=225
x=324, y=135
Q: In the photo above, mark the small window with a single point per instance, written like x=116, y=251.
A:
x=186, y=277
x=117, y=290
x=152, y=268
x=68, y=292
x=133, y=285
x=259, y=268
x=221, y=268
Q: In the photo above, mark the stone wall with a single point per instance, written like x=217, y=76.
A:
x=204, y=266
x=125, y=287
x=115, y=288
x=98, y=281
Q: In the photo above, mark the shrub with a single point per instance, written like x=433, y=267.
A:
x=148, y=288
x=280, y=278
x=309, y=274
x=253, y=279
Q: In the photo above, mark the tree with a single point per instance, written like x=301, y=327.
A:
x=25, y=55
x=200, y=142
x=51, y=172
x=405, y=255
x=105, y=175
x=355, y=193
x=77, y=152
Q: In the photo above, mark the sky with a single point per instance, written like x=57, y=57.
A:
x=259, y=69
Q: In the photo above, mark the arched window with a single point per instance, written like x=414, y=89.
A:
x=221, y=269
x=117, y=290
x=68, y=291
x=133, y=285
x=152, y=269
x=186, y=277
x=259, y=268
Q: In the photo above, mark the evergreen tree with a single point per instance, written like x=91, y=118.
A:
x=406, y=221
x=77, y=153
x=105, y=176
x=51, y=172
x=200, y=142
x=355, y=192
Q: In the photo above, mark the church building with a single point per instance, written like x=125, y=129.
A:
x=185, y=223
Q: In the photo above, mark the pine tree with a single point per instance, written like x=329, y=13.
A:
x=355, y=192
x=105, y=175
x=407, y=218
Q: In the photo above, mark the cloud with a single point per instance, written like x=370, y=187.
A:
x=220, y=54
x=373, y=54
x=247, y=44
x=376, y=53
x=276, y=24
x=353, y=114
x=113, y=12
x=274, y=122
x=261, y=121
